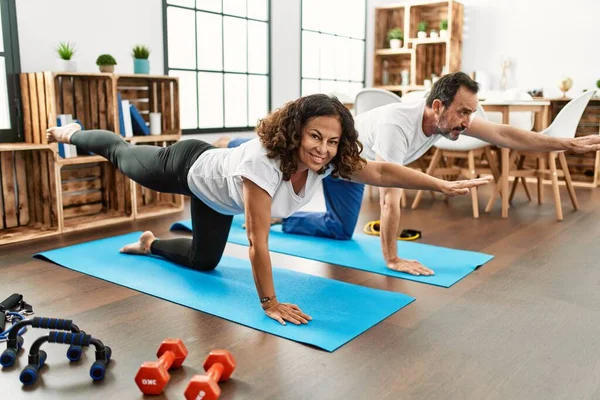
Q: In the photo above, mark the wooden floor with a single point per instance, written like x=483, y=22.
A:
x=524, y=326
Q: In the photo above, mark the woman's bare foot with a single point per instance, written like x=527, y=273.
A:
x=62, y=134
x=223, y=141
x=142, y=246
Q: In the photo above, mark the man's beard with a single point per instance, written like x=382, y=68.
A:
x=447, y=133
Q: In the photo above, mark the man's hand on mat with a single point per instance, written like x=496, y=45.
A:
x=457, y=188
x=412, y=267
x=287, y=312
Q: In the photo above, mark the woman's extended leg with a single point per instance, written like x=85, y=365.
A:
x=163, y=169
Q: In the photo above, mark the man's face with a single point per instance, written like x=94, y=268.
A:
x=455, y=119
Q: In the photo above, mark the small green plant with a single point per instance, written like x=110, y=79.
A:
x=106, y=59
x=444, y=25
x=598, y=83
x=140, y=52
x=395, y=33
x=65, y=50
x=422, y=26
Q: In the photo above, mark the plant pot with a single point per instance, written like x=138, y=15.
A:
x=66, y=65
x=395, y=43
x=444, y=34
x=107, y=68
x=141, y=66
x=422, y=35
x=433, y=35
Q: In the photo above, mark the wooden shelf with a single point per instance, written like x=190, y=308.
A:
x=22, y=233
x=25, y=146
x=152, y=138
x=417, y=41
x=80, y=160
x=158, y=209
x=43, y=194
x=391, y=52
x=95, y=221
x=423, y=58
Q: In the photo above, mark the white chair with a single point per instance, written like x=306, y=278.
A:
x=370, y=98
x=563, y=126
x=465, y=147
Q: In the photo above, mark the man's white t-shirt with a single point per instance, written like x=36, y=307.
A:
x=394, y=132
x=216, y=179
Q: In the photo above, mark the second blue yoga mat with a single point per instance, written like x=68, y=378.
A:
x=340, y=311
x=364, y=252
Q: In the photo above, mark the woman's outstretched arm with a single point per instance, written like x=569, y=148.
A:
x=258, y=222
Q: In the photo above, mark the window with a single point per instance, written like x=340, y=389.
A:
x=333, y=47
x=10, y=66
x=219, y=49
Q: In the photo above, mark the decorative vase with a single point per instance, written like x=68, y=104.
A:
x=107, y=68
x=141, y=66
x=433, y=34
x=395, y=43
x=565, y=85
x=422, y=35
x=443, y=34
x=66, y=65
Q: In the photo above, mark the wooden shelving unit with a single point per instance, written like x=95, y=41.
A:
x=420, y=57
x=52, y=195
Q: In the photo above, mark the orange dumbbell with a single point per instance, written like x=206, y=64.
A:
x=219, y=366
x=153, y=376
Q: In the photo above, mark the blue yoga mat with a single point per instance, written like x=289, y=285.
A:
x=364, y=252
x=343, y=311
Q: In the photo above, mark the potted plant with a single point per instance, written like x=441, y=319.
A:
x=106, y=62
x=434, y=34
x=444, y=28
x=141, y=64
x=422, y=32
x=65, y=52
x=395, y=37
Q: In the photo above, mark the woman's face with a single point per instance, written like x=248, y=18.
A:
x=320, y=139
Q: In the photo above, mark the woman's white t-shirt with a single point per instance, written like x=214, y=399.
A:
x=216, y=179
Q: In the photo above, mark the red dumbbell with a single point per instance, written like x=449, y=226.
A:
x=153, y=376
x=219, y=366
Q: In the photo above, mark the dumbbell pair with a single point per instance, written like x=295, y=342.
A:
x=15, y=342
x=37, y=357
x=153, y=376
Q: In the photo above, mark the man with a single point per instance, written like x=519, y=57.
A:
x=403, y=132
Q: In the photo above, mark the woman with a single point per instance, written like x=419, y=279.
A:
x=273, y=176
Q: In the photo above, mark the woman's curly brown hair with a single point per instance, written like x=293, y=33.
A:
x=280, y=133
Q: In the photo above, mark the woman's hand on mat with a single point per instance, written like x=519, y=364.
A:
x=287, y=312
x=412, y=267
x=457, y=188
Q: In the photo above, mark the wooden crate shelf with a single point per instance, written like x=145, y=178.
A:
x=28, y=195
x=151, y=93
x=422, y=58
x=43, y=194
x=92, y=195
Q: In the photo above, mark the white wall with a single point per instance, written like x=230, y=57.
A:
x=96, y=27
x=543, y=39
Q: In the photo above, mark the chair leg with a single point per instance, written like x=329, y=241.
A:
x=526, y=188
x=568, y=181
x=493, y=163
x=432, y=166
x=516, y=181
x=472, y=174
x=402, y=198
x=541, y=165
x=557, y=203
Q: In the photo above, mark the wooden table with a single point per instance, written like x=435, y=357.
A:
x=540, y=108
